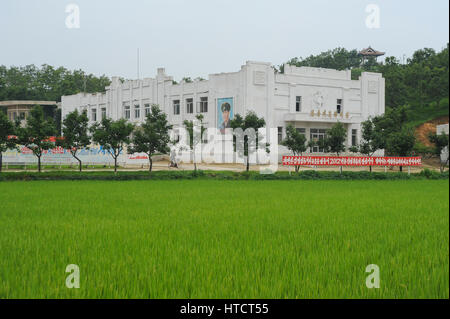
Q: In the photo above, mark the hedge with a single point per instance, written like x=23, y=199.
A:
x=219, y=175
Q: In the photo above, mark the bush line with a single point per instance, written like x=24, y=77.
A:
x=220, y=175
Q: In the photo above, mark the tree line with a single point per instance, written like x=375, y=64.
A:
x=419, y=80
x=388, y=132
x=151, y=137
x=46, y=83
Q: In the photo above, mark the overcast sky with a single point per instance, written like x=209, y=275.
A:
x=198, y=37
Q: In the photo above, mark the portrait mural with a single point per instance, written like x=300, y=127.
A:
x=224, y=113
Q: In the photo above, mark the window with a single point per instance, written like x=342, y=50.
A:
x=298, y=104
x=190, y=106
x=103, y=113
x=280, y=134
x=14, y=116
x=354, y=137
x=301, y=131
x=127, y=112
x=317, y=135
x=176, y=107
x=94, y=115
x=203, y=105
x=22, y=115
x=137, y=111
x=147, y=109
x=339, y=106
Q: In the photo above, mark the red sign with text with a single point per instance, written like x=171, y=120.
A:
x=351, y=161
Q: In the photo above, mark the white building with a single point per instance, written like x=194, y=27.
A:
x=312, y=99
x=439, y=130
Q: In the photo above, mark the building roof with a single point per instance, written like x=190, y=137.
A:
x=27, y=102
x=370, y=52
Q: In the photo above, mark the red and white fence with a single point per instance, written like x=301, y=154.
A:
x=350, y=161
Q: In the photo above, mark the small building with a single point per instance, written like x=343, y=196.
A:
x=20, y=109
x=369, y=53
x=439, y=130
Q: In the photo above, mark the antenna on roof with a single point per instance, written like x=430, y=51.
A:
x=138, y=66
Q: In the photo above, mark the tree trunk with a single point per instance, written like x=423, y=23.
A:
x=370, y=168
x=39, y=163
x=248, y=164
x=115, y=164
x=79, y=164
x=401, y=168
x=340, y=169
x=297, y=168
x=1, y=161
x=151, y=163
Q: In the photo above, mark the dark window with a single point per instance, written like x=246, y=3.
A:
x=103, y=113
x=190, y=106
x=147, y=109
x=354, y=137
x=94, y=115
x=137, y=111
x=339, y=106
x=176, y=107
x=203, y=105
x=317, y=135
x=298, y=104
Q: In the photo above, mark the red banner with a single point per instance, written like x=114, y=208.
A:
x=351, y=161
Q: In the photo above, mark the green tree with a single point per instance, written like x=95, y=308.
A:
x=75, y=134
x=242, y=143
x=372, y=140
x=440, y=142
x=401, y=143
x=295, y=142
x=152, y=136
x=112, y=136
x=7, y=130
x=195, y=129
x=37, y=133
x=334, y=141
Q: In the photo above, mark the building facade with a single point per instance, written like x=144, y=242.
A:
x=311, y=99
x=19, y=110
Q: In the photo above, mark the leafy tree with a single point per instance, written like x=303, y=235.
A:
x=440, y=143
x=112, y=136
x=372, y=140
x=195, y=129
x=251, y=121
x=37, y=133
x=7, y=130
x=75, y=134
x=334, y=140
x=152, y=136
x=401, y=143
x=295, y=142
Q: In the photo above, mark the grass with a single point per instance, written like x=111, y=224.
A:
x=224, y=239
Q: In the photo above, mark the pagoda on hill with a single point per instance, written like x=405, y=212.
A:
x=369, y=52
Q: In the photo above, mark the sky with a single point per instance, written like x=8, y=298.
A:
x=199, y=37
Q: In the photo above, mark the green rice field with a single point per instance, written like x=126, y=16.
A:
x=224, y=239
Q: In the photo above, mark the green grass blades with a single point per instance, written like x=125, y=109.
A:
x=224, y=239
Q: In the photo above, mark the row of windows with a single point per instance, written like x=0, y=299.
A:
x=316, y=135
x=202, y=106
x=137, y=111
x=94, y=114
x=298, y=105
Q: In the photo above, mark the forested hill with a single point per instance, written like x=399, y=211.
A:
x=46, y=83
x=421, y=80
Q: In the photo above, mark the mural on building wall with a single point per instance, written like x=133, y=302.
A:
x=95, y=154
x=225, y=113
